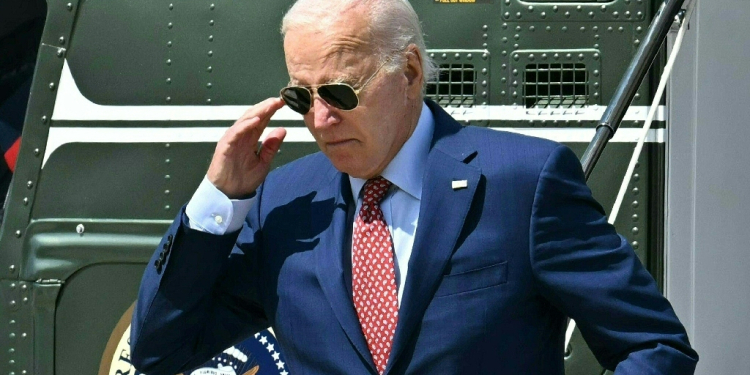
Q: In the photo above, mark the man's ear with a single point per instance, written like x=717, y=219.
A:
x=413, y=72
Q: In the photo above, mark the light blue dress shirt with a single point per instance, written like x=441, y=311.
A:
x=213, y=212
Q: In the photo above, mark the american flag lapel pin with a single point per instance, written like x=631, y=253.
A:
x=459, y=184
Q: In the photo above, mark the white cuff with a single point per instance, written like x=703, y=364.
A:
x=211, y=211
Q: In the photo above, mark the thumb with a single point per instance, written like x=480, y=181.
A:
x=271, y=145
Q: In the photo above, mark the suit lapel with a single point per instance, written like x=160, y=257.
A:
x=330, y=258
x=443, y=211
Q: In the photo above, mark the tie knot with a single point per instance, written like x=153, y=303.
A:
x=375, y=189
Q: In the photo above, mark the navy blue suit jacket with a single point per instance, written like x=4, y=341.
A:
x=494, y=272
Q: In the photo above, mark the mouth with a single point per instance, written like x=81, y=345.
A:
x=340, y=143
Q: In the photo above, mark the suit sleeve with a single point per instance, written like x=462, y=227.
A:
x=198, y=297
x=589, y=272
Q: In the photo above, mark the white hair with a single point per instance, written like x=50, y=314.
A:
x=393, y=24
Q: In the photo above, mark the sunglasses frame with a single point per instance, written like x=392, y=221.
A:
x=313, y=90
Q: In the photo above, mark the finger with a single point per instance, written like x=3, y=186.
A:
x=264, y=109
x=271, y=145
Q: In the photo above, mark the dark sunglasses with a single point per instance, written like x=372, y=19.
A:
x=339, y=95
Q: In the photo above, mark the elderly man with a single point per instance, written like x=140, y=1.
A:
x=411, y=244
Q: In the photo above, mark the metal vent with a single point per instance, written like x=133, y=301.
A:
x=556, y=86
x=455, y=85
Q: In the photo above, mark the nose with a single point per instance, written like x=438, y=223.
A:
x=324, y=115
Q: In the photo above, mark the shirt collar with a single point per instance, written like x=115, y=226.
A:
x=407, y=167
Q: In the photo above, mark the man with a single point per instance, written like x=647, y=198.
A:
x=411, y=244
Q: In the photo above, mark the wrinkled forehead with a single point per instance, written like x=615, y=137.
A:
x=339, y=51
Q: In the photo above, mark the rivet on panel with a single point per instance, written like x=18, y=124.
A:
x=515, y=46
x=597, y=36
x=171, y=6
x=516, y=57
x=635, y=230
x=208, y=101
x=469, y=56
x=168, y=161
x=444, y=56
x=44, y=119
x=167, y=177
x=24, y=287
x=80, y=229
x=167, y=145
x=515, y=72
x=555, y=8
x=635, y=217
x=516, y=37
x=519, y=28
x=591, y=14
x=596, y=73
x=209, y=85
x=635, y=204
x=167, y=207
x=210, y=53
x=170, y=25
x=507, y=2
x=596, y=45
x=52, y=86
x=548, y=28
x=209, y=69
x=29, y=184
x=596, y=85
x=212, y=6
x=639, y=15
x=531, y=8
x=169, y=99
x=26, y=201
x=581, y=57
x=210, y=38
x=620, y=29
x=567, y=14
x=596, y=56
x=637, y=42
x=636, y=177
x=514, y=84
x=211, y=23
x=61, y=40
x=166, y=192
x=485, y=27
x=484, y=71
x=515, y=94
x=639, y=29
x=637, y=96
x=18, y=234
x=504, y=66
x=532, y=28
x=604, y=8
x=484, y=56
x=169, y=80
x=636, y=191
x=485, y=36
x=627, y=14
x=37, y=152
x=505, y=39
x=69, y=6
x=636, y=245
x=432, y=56
x=457, y=56
x=506, y=15
x=518, y=15
x=531, y=57
x=544, y=56
x=60, y=52
x=579, y=8
x=12, y=286
x=616, y=14
x=502, y=92
x=610, y=29
x=169, y=61
x=569, y=56
x=583, y=29
x=484, y=94
x=484, y=83
x=25, y=300
x=505, y=26
x=556, y=56
x=544, y=15
x=565, y=29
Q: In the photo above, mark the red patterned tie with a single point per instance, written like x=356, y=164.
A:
x=373, y=274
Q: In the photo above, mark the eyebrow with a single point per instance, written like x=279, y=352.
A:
x=344, y=78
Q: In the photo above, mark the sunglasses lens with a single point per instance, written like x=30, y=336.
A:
x=297, y=98
x=339, y=96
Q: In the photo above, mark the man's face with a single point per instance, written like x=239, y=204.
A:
x=360, y=142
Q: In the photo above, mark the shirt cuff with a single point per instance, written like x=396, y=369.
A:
x=211, y=211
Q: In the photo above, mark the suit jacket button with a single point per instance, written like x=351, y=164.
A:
x=157, y=264
x=170, y=238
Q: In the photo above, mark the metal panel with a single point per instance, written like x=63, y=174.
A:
x=708, y=205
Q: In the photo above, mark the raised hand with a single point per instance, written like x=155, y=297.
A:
x=238, y=167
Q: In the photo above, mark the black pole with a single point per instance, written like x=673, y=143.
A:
x=633, y=77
